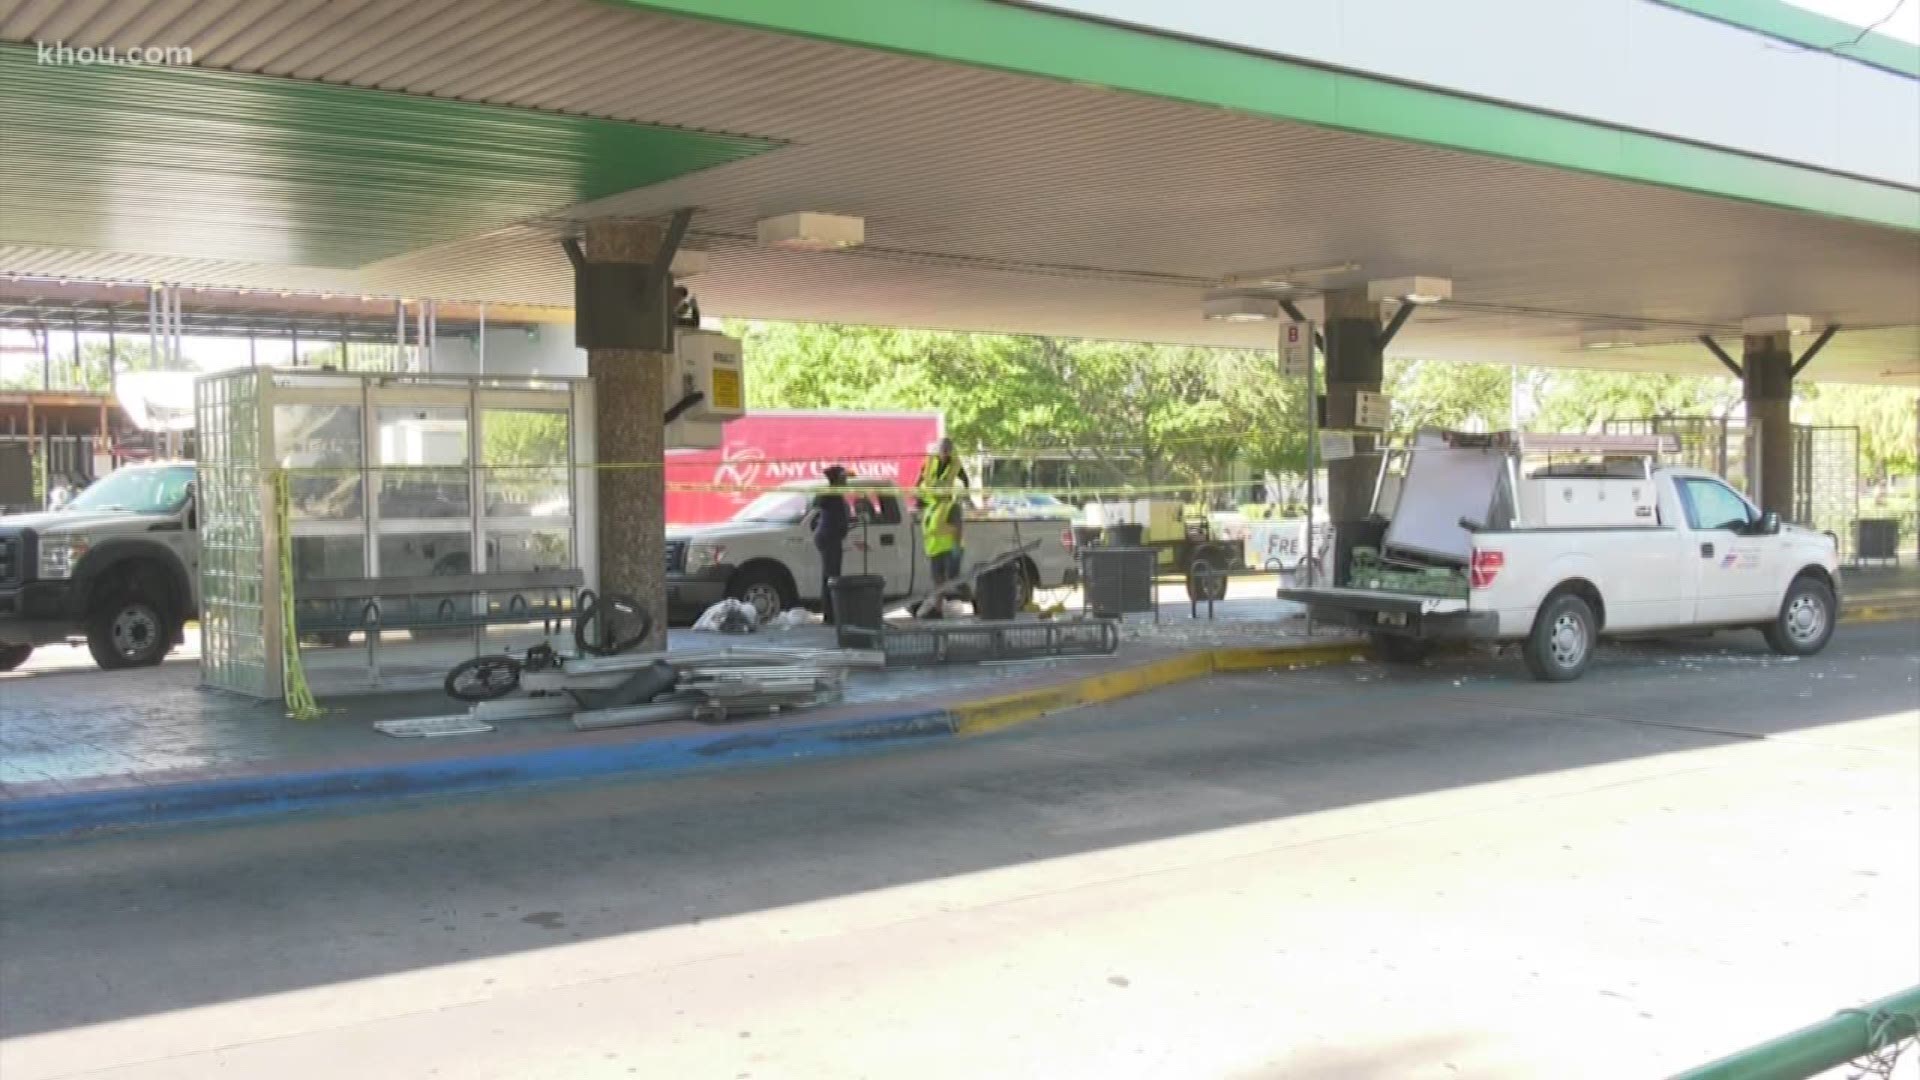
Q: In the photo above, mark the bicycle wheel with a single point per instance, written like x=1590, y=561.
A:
x=610, y=625
x=483, y=678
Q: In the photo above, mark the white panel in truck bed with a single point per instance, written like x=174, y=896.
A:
x=1443, y=486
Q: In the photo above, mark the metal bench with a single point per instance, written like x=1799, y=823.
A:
x=437, y=602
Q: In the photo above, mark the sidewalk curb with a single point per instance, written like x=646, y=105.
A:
x=1892, y=610
x=236, y=798
x=995, y=714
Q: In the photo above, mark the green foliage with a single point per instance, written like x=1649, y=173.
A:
x=92, y=375
x=1184, y=414
x=1454, y=397
x=1884, y=415
x=1586, y=400
x=1170, y=415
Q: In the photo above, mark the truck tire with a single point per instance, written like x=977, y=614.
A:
x=1398, y=649
x=128, y=629
x=12, y=656
x=1025, y=580
x=1805, y=622
x=1561, y=644
x=763, y=587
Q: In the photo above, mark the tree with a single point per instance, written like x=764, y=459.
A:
x=1585, y=400
x=92, y=375
x=1156, y=414
x=1452, y=396
x=1884, y=414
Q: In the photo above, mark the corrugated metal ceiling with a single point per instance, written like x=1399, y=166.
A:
x=1002, y=202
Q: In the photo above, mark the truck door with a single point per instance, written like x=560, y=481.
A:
x=1729, y=564
x=882, y=542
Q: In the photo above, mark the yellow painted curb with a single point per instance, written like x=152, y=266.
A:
x=1869, y=613
x=999, y=713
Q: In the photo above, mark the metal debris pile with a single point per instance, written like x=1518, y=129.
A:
x=598, y=692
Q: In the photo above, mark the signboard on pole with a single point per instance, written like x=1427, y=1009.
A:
x=1335, y=445
x=1296, y=349
x=1372, y=411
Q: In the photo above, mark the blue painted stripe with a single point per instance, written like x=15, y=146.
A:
x=255, y=796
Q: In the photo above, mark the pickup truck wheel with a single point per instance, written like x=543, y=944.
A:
x=1395, y=649
x=129, y=631
x=1023, y=585
x=12, y=656
x=762, y=588
x=1561, y=644
x=1805, y=622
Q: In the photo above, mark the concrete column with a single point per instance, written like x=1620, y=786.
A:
x=1768, y=360
x=1353, y=364
x=630, y=434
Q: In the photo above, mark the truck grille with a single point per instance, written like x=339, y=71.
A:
x=11, y=570
x=676, y=556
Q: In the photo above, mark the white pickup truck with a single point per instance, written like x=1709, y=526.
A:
x=765, y=556
x=1682, y=552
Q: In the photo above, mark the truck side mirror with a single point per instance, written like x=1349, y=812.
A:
x=1769, y=523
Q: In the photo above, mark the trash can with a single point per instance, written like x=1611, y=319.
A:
x=996, y=594
x=1876, y=538
x=1119, y=581
x=1125, y=536
x=858, y=602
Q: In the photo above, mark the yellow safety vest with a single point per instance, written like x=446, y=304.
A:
x=937, y=506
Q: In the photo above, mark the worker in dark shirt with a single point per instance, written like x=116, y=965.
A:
x=832, y=520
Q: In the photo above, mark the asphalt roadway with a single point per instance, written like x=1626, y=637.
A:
x=1353, y=872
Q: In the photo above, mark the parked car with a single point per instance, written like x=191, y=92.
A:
x=1683, y=551
x=1030, y=506
x=118, y=565
x=765, y=556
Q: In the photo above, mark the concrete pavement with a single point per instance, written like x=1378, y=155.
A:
x=1348, y=872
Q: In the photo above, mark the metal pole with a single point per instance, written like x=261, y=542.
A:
x=81, y=383
x=1313, y=456
x=153, y=326
x=480, y=342
x=293, y=334
x=399, y=336
x=421, y=360
x=1847, y=1034
x=46, y=357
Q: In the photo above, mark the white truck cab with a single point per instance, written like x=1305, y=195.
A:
x=119, y=566
x=1554, y=555
x=765, y=554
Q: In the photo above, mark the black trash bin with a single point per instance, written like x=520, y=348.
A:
x=1125, y=536
x=996, y=594
x=1876, y=538
x=858, y=603
x=1119, y=581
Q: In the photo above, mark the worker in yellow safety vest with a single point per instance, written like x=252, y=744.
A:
x=943, y=484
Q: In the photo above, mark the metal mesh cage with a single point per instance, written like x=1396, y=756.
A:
x=234, y=623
